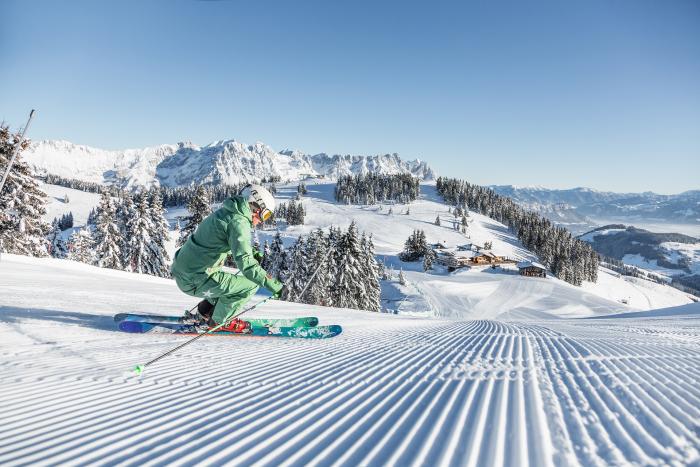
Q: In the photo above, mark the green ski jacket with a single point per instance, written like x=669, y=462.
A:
x=225, y=230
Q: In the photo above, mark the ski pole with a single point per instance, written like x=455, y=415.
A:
x=16, y=151
x=139, y=368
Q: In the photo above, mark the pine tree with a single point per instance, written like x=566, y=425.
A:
x=199, y=209
x=348, y=289
x=437, y=221
x=57, y=246
x=402, y=278
x=318, y=256
x=145, y=254
x=160, y=234
x=275, y=264
x=125, y=215
x=107, y=235
x=415, y=247
x=82, y=246
x=371, y=274
x=22, y=203
x=428, y=260
x=92, y=217
x=298, y=271
x=266, y=260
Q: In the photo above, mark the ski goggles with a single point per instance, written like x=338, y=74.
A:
x=263, y=213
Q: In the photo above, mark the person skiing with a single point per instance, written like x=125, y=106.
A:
x=197, y=264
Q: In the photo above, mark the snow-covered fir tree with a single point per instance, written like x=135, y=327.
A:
x=146, y=255
x=415, y=247
x=337, y=269
x=370, y=271
x=319, y=260
x=66, y=221
x=81, y=246
x=299, y=270
x=108, y=238
x=92, y=216
x=125, y=214
x=348, y=289
x=437, y=221
x=265, y=263
x=402, y=278
x=293, y=213
x=161, y=228
x=428, y=260
x=273, y=262
x=198, y=208
x=22, y=203
x=57, y=246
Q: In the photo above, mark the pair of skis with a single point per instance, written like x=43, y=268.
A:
x=306, y=327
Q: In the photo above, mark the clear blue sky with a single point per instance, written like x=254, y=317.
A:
x=604, y=94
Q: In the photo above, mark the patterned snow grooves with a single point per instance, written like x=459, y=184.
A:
x=453, y=393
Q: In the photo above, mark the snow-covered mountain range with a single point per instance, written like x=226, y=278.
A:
x=581, y=209
x=225, y=161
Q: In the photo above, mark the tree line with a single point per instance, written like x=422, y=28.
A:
x=171, y=196
x=568, y=258
x=129, y=234
x=373, y=188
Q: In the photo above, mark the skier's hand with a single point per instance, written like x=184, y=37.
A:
x=258, y=256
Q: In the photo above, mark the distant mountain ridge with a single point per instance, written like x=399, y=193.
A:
x=225, y=161
x=580, y=205
x=671, y=254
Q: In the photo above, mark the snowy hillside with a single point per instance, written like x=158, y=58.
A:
x=475, y=293
x=477, y=367
x=226, y=161
x=667, y=253
x=390, y=390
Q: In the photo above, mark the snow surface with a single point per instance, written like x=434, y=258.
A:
x=390, y=390
x=479, y=367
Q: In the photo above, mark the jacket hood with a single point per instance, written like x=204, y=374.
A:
x=238, y=205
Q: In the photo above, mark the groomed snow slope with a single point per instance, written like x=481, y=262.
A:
x=477, y=293
x=391, y=390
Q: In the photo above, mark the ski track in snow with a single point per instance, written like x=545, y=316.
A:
x=505, y=376
x=412, y=392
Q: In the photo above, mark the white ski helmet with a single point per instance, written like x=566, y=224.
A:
x=260, y=196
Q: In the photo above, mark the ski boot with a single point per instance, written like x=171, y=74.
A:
x=236, y=325
x=201, y=316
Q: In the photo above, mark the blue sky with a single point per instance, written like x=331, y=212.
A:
x=604, y=94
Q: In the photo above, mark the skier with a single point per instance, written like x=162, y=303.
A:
x=197, y=264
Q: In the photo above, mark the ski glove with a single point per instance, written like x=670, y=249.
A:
x=280, y=293
x=258, y=256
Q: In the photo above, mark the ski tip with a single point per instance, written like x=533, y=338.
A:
x=138, y=369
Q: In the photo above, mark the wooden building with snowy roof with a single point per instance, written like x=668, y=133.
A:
x=532, y=269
